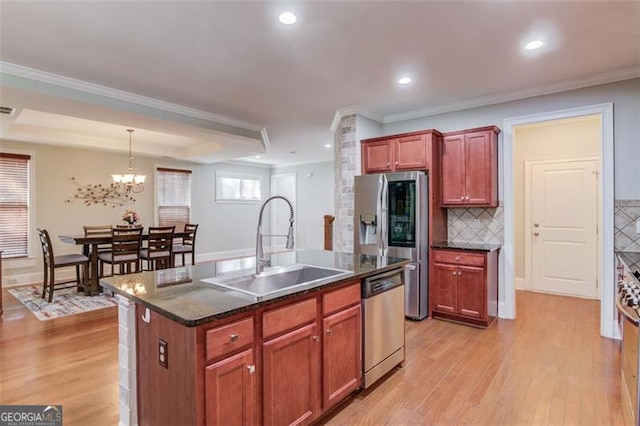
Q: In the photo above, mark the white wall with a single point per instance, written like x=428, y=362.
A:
x=314, y=199
x=226, y=227
x=625, y=96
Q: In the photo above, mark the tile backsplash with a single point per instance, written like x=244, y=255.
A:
x=476, y=225
x=627, y=212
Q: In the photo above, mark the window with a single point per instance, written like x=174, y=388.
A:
x=238, y=188
x=174, y=197
x=14, y=205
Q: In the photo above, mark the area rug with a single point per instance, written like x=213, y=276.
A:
x=66, y=301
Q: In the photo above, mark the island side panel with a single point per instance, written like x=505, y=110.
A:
x=166, y=395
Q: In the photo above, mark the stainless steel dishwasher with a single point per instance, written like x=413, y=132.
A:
x=383, y=324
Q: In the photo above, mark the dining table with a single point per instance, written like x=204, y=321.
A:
x=90, y=245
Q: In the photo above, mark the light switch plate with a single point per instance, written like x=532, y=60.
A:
x=638, y=226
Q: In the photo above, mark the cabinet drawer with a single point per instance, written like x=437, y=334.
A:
x=288, y=317
x=229, y=338
x=458, y=258
x=336, y=300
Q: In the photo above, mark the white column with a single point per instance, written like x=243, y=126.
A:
x=127, y=388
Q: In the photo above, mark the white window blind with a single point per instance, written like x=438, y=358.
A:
x=235, y=188
x=14, y=205
x=174, y=197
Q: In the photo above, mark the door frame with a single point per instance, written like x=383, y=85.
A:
x=609, y=326
x=528, y=193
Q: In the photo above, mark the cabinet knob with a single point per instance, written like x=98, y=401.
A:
x=462, y=198
x=314, y=338
x=455, y=273
x=457, y=257
x=234, y=337
x=251, y=368
x=466, y=198
x=388, y=164
x=329, y=331
x=397, y=163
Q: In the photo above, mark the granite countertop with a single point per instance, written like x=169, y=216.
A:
x=451, y=245
x=182, y=295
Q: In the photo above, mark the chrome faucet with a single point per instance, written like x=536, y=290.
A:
x=261, y=262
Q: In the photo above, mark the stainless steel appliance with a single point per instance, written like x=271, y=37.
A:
x=383, y=324
x=391, y=219
x=628, y=304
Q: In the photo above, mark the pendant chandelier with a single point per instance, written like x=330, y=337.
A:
x=131, y=181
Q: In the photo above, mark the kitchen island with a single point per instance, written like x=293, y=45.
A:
x=195, y=353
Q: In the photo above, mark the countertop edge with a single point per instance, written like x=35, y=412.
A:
x=461, y=247
x=251, y=306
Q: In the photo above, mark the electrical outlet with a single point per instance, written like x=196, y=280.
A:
x=163, y=353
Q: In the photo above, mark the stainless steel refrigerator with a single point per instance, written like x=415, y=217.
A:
x=391, y=219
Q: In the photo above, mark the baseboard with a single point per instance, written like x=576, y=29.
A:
x=35, y=278
x=502, y=311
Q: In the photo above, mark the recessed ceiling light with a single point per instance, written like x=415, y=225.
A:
x=404, y=80
x=287, y=18
x=327, y=145
x=533, y=45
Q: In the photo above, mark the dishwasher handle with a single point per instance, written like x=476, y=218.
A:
x=377, y=284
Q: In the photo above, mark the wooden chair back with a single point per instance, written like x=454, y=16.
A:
x=125, y=244
x=96, y=230
x=160, y=240
x=190, y=240
x=47, y=248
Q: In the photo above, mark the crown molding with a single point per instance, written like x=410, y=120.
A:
x=353, y=110
x=96, y=89
x=562, y=86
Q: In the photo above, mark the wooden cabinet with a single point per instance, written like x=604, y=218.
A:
x=0, y=283
x=409, y=151
x=464, y=286
x=291, y=370
x=285, y=363
x=341, y=350
x=470, y=168
x=230, y=390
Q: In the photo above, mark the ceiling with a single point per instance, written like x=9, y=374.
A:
x=208, y=81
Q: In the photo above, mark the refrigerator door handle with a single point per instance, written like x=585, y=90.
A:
x=384, y=230
x=379, y=215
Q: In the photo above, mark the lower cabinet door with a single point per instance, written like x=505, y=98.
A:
x=291, y=377
x=472, y=300
x=230, y=391
x=444, y=293
x=341, y=355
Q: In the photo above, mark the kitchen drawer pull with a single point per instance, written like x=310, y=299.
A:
x=234, y=337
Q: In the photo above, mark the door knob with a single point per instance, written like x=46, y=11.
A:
x=535, y=225
x=535, y=234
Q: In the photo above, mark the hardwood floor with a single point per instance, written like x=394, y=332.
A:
x=549, y=366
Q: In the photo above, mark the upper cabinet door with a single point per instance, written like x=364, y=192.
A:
x=453, y=170
x=411, y=153
x=470, y=168
x=478, y=176
x=377, y=156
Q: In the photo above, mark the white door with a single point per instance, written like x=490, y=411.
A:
x=285, y=185
x=564, y=218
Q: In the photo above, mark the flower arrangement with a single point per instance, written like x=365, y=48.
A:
x=131, y=217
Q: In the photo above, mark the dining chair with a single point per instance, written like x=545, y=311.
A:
x=187, y=245
x=51, y=262
x=125, y=251
x=90, y=230
x=159, y=250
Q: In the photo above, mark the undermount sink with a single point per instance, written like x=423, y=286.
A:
x=278, y=279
